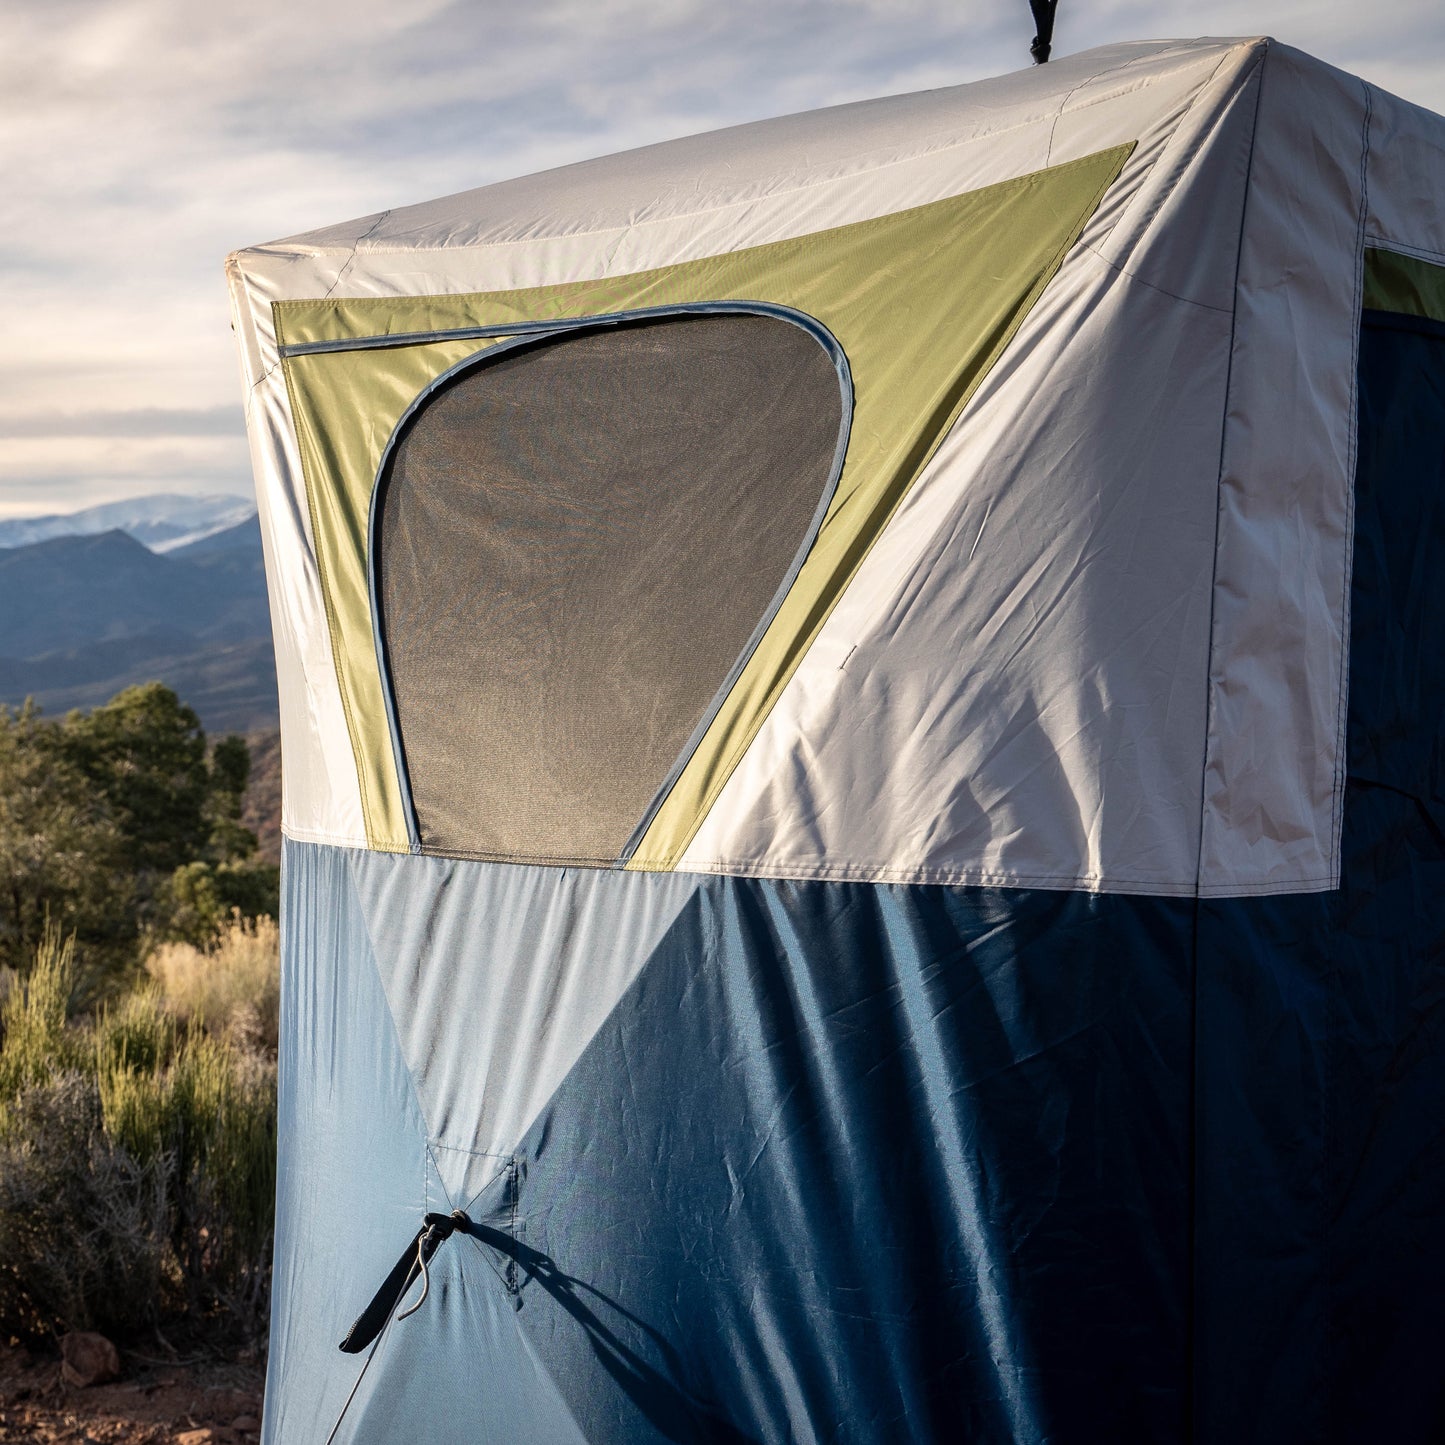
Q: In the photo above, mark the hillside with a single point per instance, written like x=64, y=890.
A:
x=86, y=615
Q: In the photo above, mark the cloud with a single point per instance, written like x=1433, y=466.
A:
x=145, y=421
x=141, y=140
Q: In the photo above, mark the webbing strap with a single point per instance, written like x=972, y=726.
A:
x=369, y=1324
x=1043, y=11
x=414, y=1258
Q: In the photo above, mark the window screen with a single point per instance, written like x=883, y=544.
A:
x=574, y=543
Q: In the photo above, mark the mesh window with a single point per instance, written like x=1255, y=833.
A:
x=575, y=542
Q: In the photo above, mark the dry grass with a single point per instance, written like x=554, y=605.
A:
x=138, y=1149
x=232, y=987
x=37, y=1044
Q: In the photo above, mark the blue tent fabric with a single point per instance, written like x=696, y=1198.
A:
x=877, y=1155
x=352, y=1144
x=887, y=1163
x=357, y=1172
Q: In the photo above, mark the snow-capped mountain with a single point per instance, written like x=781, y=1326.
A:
x=162, y=522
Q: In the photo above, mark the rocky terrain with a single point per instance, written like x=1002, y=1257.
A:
x=152, y=1402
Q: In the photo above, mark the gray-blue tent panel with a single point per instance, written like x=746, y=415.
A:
x=842, y=1157
x=356, y=1174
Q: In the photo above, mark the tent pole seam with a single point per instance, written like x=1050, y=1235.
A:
x=1351, y=462
x=1191, y=1422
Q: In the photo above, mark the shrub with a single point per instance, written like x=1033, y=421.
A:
x=36, y=1044
x=137, y=1152
x=233, y=986
x=208, y=1118
x=84, y=1238
x=138, y=1033
x=199, y=900
x=61, y=854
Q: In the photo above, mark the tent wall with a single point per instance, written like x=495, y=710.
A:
x=1232, y=198
x=921, y=304
x=1037, y=615
x=1274, y=765
x=1035, y=1031
x=781, y=1160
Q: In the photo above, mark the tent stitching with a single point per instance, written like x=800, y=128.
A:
x=1374, y=241
x=1351, y=461
x=1210, y=689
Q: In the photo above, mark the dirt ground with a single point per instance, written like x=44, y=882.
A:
x=153, y=1404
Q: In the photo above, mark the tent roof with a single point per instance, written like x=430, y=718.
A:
x=742, y=163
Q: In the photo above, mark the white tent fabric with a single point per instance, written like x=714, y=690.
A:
x=1028, y=738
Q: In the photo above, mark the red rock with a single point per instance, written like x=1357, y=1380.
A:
x=194, y=1437
x=88, y=1359
x=246, y=1422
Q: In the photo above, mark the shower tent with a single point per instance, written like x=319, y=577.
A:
x=864, y=798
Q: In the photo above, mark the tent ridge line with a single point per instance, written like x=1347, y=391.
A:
x=1191, y=1364
x=1209, y=708
x=312, y=302
x=1242, y=80
x=1244, y=75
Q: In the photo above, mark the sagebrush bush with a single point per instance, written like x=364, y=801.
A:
x=84, y=1226
x=137, y=1032
x=231, y=986
x=209, y=1113
x=137, y=1151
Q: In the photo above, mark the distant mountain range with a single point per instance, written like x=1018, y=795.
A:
x=164, y=523
x=165, y=588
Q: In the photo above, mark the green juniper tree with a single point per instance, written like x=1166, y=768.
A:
x=61, y=852
x=122, y=825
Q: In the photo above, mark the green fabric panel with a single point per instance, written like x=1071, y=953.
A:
x=345, y=408
x=922, y=302
x=1404, y=284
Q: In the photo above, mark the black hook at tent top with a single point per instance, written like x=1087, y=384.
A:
x=1044, y=20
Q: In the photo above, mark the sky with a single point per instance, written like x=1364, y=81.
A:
x=142, y=140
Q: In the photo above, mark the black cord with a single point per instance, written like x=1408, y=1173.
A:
x=1043, y=11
